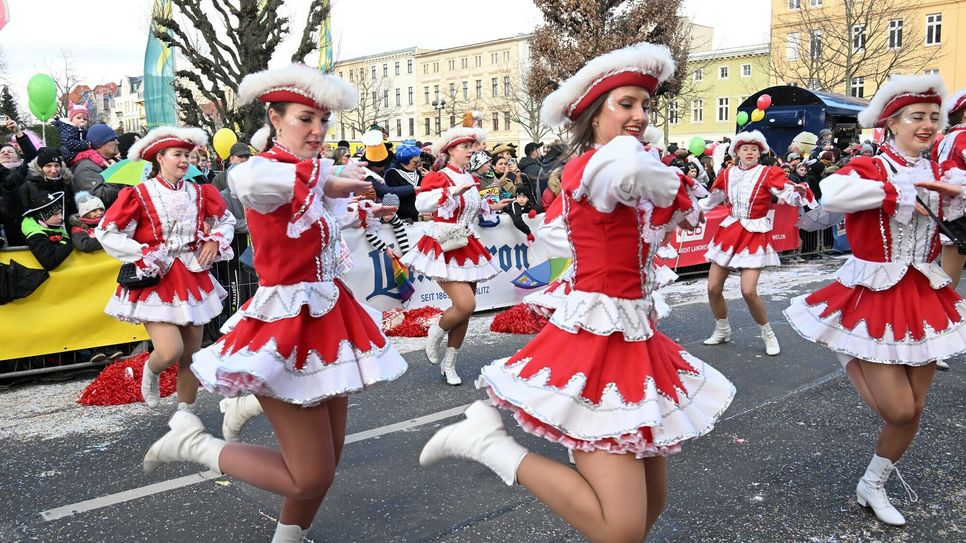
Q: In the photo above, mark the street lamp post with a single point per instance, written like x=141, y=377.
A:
x=439, y=105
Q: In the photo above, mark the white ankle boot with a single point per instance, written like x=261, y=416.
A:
x=189, y=407
x=721, y=334
x=150, y=387
x=238, y=411
x=941, y=364
x=289, y=533
x=448, y=368
x=770, y=339
x=434, y=343
x=480, y=438
x=186, y=442
x=870, y=491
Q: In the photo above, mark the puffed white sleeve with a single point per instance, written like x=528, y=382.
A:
x=553, y=235
x=954, y=208
x=860, y=186
x=262, y=184
x=623, y=172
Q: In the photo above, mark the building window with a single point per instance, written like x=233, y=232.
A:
x=428, y=131
x=435, y=67
x=506, y=57
x=452, y=120
x=409, y=66
x=466, y=90
x=479, y=88
x=794, y=4
x=479, y=60
x=436, y=92
x=341, y=130
x=815, y=3
x=398, y=128
x=425, y=69
x=375, y=99
x=398, y=97
x=385, y=70
x=857, y=88
x=792, y=46
x=452, y=90
x=373, y=71
x=426, y=94
x=439, y=126
x=697, y=111
x=385, y=98
x=722, y=110
x=412, y=127
x=340, y=75
x=463, y=63
x=397, y=67
x=746, y=70
x=895, y=34
x=494, y=58
x=858, y=37
x=931, y=72
x=495, y=89
x=723, y=72
x=815, y=44
x=934, y=28
x=411, y=101
x=673, y=116
x=698, y=74
x=506, y=86
x=352, y=77
x=496, y=120
x=362, y=74
x=506, y=120
x=452, y=64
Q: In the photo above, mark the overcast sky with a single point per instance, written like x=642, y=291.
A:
x=107, y=37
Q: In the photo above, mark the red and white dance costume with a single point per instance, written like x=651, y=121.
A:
x=600, y=377
x=160, y=225
x=744, y=238
x=302, y=338
x=950, y=153
x=469, y=264
x=890, y=302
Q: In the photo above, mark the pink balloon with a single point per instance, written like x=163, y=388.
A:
x=764, y=102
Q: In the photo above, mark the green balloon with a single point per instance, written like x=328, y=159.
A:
x=42, y=90
x=39, y=112
x=697, y=146
x=742, y=118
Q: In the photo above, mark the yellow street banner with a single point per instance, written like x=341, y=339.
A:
x=66, y=313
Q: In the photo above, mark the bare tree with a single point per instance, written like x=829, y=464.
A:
x=376, y=105
x=65, y=78
x=232, y=38
x=523, y=107
x=575, y=31
x=673, y=106
x=826, y=48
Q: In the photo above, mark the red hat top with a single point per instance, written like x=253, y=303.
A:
x=901, y=91
x=166, y=137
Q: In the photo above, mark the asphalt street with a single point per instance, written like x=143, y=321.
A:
x=780, y=466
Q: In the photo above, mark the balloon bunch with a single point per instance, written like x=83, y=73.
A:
x=764, y=102
x=42, y=92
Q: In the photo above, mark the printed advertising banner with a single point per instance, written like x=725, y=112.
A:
x=692, y=244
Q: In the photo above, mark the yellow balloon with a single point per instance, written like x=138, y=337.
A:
x=223, y=141
x=756, y=116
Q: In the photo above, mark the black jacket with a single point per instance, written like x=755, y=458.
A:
x=35, y=186
x=398, y=185
x=50, y=246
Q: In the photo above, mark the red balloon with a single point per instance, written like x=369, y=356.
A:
x=764, y=102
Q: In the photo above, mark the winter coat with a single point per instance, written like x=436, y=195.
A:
x=237, y=210
x=517, y=212
x=18, y=281
x=400, y=186
x=71, y=139
x=87, y=176
x=50, y=245
x=36, y=186
x=82, y=236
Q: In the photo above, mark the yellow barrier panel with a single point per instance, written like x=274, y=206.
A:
x=66, y=313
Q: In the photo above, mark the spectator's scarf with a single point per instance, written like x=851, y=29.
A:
x=12, y=165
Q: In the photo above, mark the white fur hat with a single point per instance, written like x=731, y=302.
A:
x=260, y=138
x=754, y=137
x=456, y=136
x=954, y=103
x=164, y=137
x=901, y=91
x=644, y=65
x=300, y=84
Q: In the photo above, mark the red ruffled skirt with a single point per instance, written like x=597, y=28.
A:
x=470, y=264
x=303, y=359
x=735, y=247
x=910, y=323
x=182, y=297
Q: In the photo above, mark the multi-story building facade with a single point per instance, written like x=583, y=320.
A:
x=717, y=83
x=851, y=46
x=388, y=96
x=129, y=115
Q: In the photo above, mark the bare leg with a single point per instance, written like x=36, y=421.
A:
x=167, y=343
x=456, y=319
x=605, y=498
x=952, y=263
x=187, y=382
x=854, y=370
x=305, y=468
x=655, y=475
x=749, y=291
x=900, y=392
x=716, y=280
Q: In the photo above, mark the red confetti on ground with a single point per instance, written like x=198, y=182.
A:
x=415, y=323
x=519, y=319
x=120, y=383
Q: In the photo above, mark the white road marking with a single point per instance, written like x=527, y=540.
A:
x=188, y=480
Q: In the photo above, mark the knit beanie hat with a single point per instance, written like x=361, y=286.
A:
x=99, y=134
x=46, y=155
x=478, y=159
x=87, y=202
x=77, y=109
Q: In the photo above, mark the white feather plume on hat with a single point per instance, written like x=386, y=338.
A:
x=649, y=58
x=896, y=85
x=195, y=136
x=260, y=138
x=327, y=90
